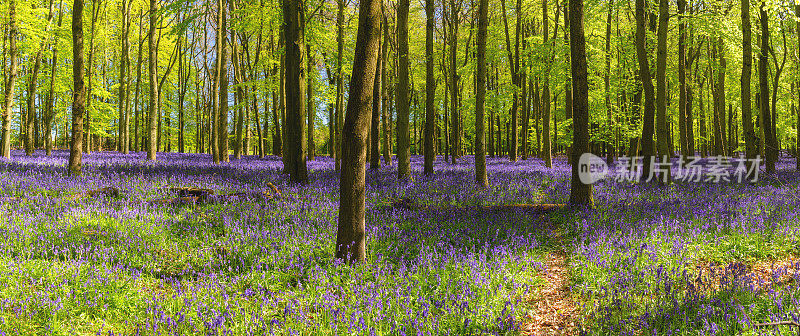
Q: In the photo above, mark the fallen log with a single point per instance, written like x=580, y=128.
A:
x=406, y=203
x=106, y=191
x=207, y=196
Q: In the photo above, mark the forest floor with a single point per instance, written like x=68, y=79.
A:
x=146, y=256
x=554, y=311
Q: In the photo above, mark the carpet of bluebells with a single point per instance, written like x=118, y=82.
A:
x=677, y=260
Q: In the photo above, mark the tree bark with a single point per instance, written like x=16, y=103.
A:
x=8, y=103
x=153, y=77
x=374, y=134
x=480, y=95
x=661, y=94
x=647, y=83
x=48, y=112
x=430, y=90
x=79, y=90
x=351, y=233
x=580, y=193
x=546, y=144
x=222, y=121
x=403, y=145
x=770, y=143
x=295, y=77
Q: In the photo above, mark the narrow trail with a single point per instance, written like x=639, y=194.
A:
x=553, y=312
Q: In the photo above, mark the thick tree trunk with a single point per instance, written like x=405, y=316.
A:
x=351, y=234
x=580, y=193
x=403, y=145
x=79, y=90
x=295, y=76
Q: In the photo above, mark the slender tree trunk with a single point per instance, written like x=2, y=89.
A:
x=480, y=95
x=403, y=145
x=124, y=68
x=222, y=122
x=310, y=105
x=430, y=90
x=385, y=117
x=374, y=134
x=661, y=94
x=8, y=103
x=79, y=90
x=153, y=77
x=682, y=124
x=339, y=83
x=797, y=112
x=453, y=77
x=647, y=83
x=136, y=144
x=607, y=88
x=49, y=112
x=32, y=81
x=770, y=143
x=351, y=233
x=546, y=144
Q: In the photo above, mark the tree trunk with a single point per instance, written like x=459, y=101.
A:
x=480, y=95
x=124, y=68
x=12, y=75
x=339, y=84
x=454, y=22
x=295, y=77
x=374, y=134
x=136, y=144
x=430, y=90
x=351, y=233
x=79, y=90
x=546, y=145
x=222, y=121
x=49, y=112
x=682, y=124
x=310, y=105
x=647, y=83
x=770, y=143
x=153, y=77
x=385, y=117
x=610, y=124
x=403, y=145
x=580, y=193
x=661, y=95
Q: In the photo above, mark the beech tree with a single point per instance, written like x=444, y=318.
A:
x=350, y=233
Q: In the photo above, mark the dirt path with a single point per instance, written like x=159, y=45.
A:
x=553, y=312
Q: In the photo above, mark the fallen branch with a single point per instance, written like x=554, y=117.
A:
x=780, y=323
x=107, y=191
